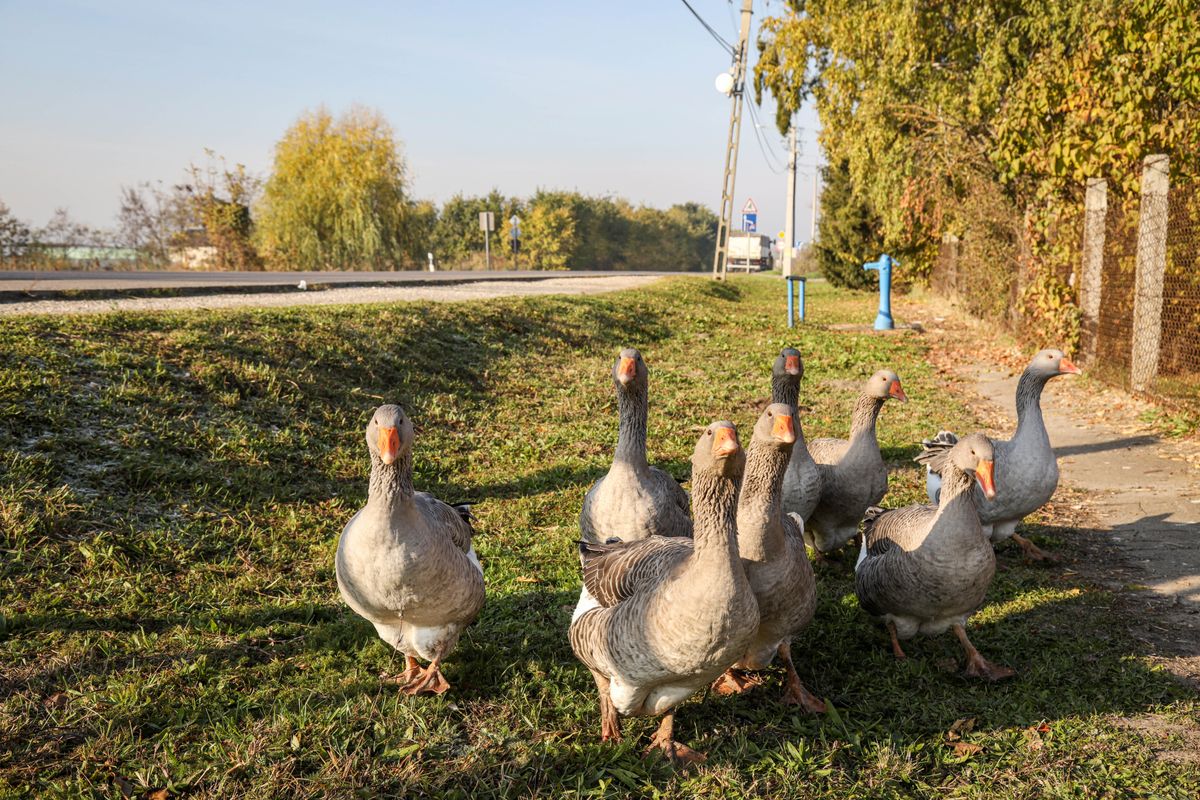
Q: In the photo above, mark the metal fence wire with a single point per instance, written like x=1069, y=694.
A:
x=1179, y=344
x=1113, y=329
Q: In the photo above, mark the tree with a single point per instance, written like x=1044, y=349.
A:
x=15, y=235
x=336, y=195
x=219, y=199
x=151, y=216
x=549, y=231
x=849, y=233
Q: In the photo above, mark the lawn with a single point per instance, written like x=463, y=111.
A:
x=172, y=487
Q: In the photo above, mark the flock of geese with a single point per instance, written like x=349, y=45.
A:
x=685, y=592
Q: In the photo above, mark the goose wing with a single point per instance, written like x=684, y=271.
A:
x=455, y=521
x=827, y=451
x=614, y=572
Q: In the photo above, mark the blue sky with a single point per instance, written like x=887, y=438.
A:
x=603, y=97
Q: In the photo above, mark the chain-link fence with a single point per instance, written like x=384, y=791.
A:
x=1141, y=308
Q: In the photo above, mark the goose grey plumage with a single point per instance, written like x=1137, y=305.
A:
x=802, y=481
x=926, y=569
x=405, y=562
x=853, y=475
x=662, y=617
x=634, y=500
x=771, y=545
x=1025, y=464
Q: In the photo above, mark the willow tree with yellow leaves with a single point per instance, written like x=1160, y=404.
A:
x=336, y=197
x=984, y=119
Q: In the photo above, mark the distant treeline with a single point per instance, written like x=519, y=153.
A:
x=338, y=198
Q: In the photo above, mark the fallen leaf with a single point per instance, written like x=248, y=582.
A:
x=966, y=749
x=158, y=794
x=526, y=579
x=56, y=700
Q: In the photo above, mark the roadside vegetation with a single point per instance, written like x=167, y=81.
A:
x=172, y=487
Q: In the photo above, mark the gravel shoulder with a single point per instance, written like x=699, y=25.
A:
x=335, y=296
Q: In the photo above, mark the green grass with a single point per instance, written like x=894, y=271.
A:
x=172, y=487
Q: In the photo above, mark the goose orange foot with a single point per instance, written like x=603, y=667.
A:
x=411, y=670
x=677, y=753
x=980, y=667
x=797, y=694
x=734, y=681
x=1032, y=551
x=429, y=681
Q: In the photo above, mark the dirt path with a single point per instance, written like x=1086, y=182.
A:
x=336, y=296
x=1139, y=491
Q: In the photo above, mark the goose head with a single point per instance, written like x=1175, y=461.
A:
x=1050, y=363
x=776, y=426
x=974, y=455
x=630, y=371
x=885, y=384
x=789, y=364
x=719, y=452
x=389, y=434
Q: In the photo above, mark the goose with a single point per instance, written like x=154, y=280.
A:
x=634, y=500
x=802, y=481
x=405, y=562
x=1025, y=463
x=771, y=545
x=853, y=475
x=926, y=569
x=662, y=617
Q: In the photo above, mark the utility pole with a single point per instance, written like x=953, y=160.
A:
x=789, y=221
x=813, y=235
x=721, y=257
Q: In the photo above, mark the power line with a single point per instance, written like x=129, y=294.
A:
x=711, y=31
x=764, y=145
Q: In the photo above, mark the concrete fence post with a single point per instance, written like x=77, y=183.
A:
x=1151, y=264
x=1095, y=215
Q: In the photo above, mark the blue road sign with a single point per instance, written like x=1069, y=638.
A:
x=750, y=223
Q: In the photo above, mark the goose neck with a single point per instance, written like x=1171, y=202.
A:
x=760, y=506
x=1029, y=406
x=866, y=412
x=391, y=484
x=633, y=408
x=785, y=389
x=715, y=504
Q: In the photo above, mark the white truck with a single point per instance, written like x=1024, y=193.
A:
x=749, y=251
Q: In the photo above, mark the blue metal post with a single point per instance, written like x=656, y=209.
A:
x=791, y=303
x=802, y=283
x=883, y=320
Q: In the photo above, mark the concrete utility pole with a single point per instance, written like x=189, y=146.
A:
x=812, y=239
x=721, y=257
x=789, y=221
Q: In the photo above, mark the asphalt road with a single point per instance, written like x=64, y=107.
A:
x=42, y=282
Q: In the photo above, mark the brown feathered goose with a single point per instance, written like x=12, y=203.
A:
x=853, y=475
x=926, y=569
x=1025, y=464
x=802, y=481
x=634, y=500
x=405, y=561
x=662, y=617
x=771, y=545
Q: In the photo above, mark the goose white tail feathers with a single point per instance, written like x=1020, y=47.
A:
x=933, y=455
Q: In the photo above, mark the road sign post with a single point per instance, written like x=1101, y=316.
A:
x=514, y=237
x=487, y=222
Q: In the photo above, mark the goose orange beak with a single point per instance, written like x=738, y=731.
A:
x=626, y=371
x=791, y=365
x=783, y=429
x=1066, y=367
x=895, y=391
x=389, y=444
x=983, y=474
x=725, y=442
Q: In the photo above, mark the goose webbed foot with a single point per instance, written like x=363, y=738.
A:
x=797, y=694
x=977, y=665
x=411, y=670
x=677, y=753
x=1031, y=551
x=897, y=650
x=610, y=720
x=429, y=681
x=734, y=681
